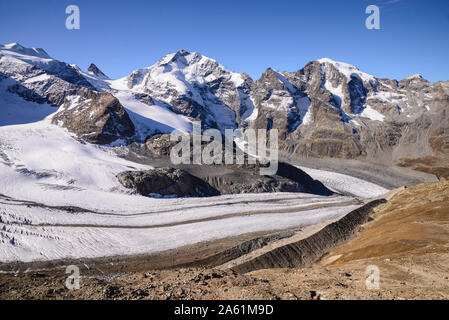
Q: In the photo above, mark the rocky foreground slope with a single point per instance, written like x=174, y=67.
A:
x=406, y=239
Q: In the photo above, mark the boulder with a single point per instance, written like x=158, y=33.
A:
x=166, y=182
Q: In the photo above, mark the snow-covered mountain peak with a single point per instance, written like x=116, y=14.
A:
x=173, y=57
x=12, y=46
x=347, y=69
x=94, y=70
x=188, y=61
x=16, y=61
x=181, y=71
x=281, y=78
x=339, y=65
x=18, y=48
x=189, y=83
x=414, y=76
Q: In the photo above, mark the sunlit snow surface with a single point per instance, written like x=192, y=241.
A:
x=14, y=110
x=45, y=164
x=150, y=119
x=346, y=184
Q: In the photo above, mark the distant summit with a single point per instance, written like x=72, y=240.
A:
x=94, y=70
x=414, y=76
x=18, y=48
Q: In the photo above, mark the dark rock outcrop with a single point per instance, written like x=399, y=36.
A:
x=166, y=182
x=211, y=180
x=310, y=185
x=246, y=179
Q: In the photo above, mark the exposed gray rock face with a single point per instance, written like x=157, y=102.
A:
x=166, y=182
x=159, y=145
x=95, y=117
x=279, y=104
x=214, y=180
x=246, y=179
x=355, y=115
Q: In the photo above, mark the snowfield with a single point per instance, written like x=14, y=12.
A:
x=153, y=119
x=40, y=161
x=18, y=111
x=346, y=184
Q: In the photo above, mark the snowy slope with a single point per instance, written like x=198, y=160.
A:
x=14, y=110
x=41, y=156
x=15, y=57
x=347, y=69
x=150, y=119
x=346, y=184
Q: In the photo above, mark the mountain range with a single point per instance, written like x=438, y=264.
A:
x=325, y=109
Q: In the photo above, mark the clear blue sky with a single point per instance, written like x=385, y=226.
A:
x=244, y=35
